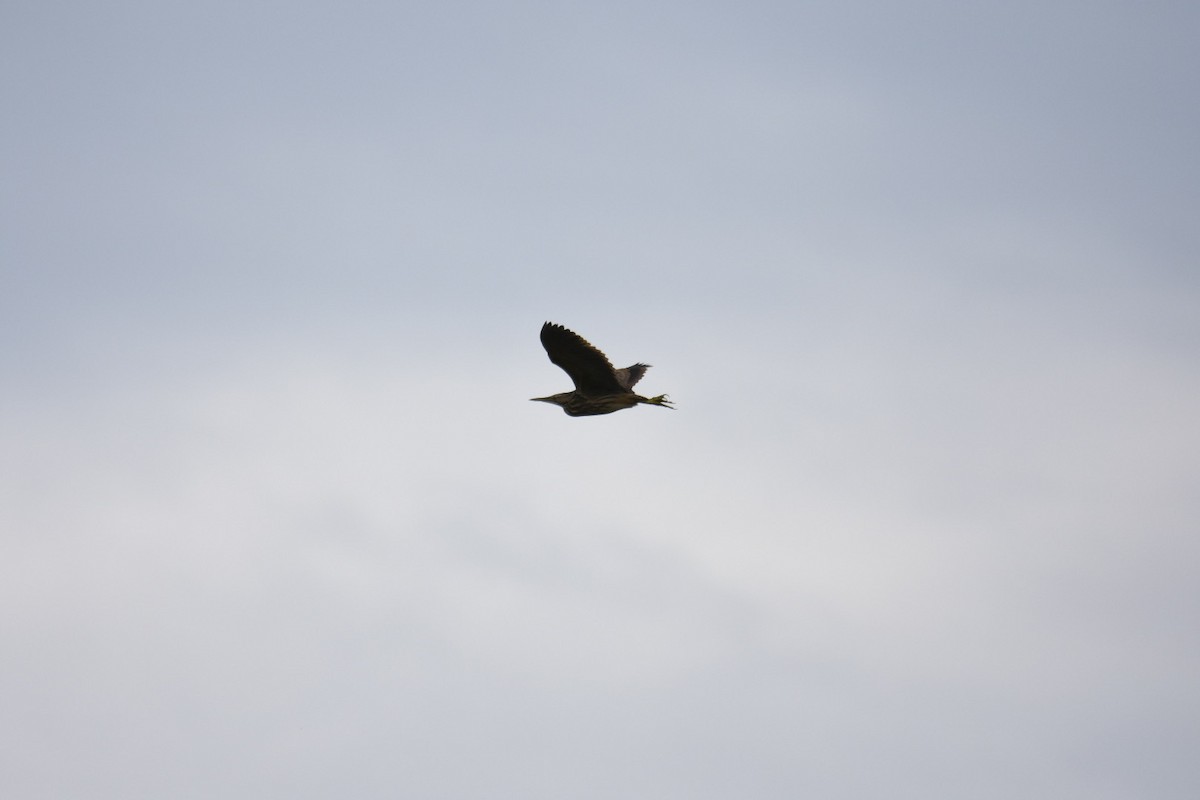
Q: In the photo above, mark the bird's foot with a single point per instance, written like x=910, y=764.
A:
x=660, y=400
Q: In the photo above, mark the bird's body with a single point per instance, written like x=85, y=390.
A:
x=599, y=388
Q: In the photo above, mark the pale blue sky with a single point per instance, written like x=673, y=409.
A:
x=278, y=520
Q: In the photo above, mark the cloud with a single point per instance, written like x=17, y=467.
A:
x=276, y=516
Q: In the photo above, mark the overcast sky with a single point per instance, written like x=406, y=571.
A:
x=277, y=519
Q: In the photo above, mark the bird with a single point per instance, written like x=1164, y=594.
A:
x=599, y=388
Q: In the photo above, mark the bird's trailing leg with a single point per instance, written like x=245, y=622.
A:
x=660, y=400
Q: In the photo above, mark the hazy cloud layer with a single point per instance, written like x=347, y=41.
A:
x=276, y=519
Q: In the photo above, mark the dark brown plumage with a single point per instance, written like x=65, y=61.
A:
x=599, y=388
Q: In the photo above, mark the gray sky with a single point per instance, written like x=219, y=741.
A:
x=276, y=516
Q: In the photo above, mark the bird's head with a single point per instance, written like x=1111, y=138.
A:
x=556, y=399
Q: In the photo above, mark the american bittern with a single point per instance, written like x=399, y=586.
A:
x=599, y=389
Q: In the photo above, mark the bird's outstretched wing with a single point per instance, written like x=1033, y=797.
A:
x=588, y=367
x=629, y=376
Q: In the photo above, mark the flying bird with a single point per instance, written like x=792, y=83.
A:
x=599, y=388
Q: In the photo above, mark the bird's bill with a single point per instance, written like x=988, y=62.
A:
x=543, y=399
